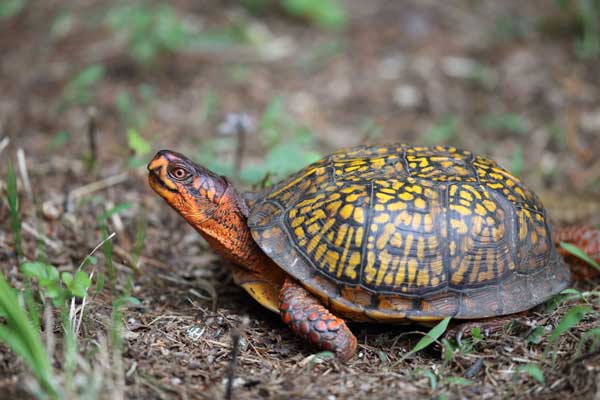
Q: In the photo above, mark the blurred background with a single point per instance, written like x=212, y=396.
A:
x=257, y=89
x=515, y=80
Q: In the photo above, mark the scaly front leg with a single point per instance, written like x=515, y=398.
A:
x=305, y=314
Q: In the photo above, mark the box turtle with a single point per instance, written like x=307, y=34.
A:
x=375, y=233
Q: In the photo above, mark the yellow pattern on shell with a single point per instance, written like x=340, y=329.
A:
x=410, y=220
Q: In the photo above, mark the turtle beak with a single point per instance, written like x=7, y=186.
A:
x=157, y=172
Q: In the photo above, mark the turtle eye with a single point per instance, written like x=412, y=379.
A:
x=179, y=173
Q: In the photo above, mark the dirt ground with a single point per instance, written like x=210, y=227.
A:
x=500, y=78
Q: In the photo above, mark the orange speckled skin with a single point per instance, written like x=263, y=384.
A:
x=210, y=204
x=308, y=318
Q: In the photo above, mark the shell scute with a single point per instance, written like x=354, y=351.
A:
x=399, y=232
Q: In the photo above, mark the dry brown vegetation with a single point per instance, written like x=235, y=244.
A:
x=501, y=78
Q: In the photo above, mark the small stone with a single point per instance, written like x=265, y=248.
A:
x=175, y=381
x=423, y=66
x=590, y=121
x=243, y=344
x=459, y=67
x=392, y=67
x=129, y=335
x=407, y=96
x=50, y=211
x=302, y=102
x=548, y=163
x=195, y=333
x=237, y=382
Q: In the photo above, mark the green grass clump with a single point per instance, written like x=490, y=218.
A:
x=10, y=8
x=80, y=90
x=442, y=132
x=328, y=14
x=506, y=122
x=580, y=21
x=325, y=13
x=150, y=30
x=24, y=338
x=64, y=294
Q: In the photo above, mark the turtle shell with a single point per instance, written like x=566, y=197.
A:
x=398, y=232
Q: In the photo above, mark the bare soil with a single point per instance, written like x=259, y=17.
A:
x=405, y=66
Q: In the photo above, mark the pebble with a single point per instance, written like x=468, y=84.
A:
x=302, y=102
x=50, y=211
x=407, y=96
x=590, y=121
x=391, y=67
x=459, y=67
x=195, y=333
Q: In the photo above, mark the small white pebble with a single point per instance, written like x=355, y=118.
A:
x=50, y=211
x=195, y=333
x=548, y=163
x=235, y=121
x=590, y=121
x=407, y=96
x=175, y=381
x=391, y=68
x=459, y=67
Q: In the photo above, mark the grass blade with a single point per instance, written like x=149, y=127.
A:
x=569, y=320
x=23, y=338
x=534, y=371
x=430, y=337
x=577, y=252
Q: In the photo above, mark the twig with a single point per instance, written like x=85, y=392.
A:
x=91, y=132
x=49, y=328
x=80, y=319
x=239, y=150
x=22, y=162
x=474, y=369
x=235, y=340
x=238, y=124
x=102, y=184
x=109, y=237
x=72, y=311
x=4, y=143
x=40, y=236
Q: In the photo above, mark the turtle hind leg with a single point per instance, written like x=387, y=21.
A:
x=586, y=238
x=307, y=317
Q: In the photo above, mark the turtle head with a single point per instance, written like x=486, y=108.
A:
x=192, y=190
x=211, y=204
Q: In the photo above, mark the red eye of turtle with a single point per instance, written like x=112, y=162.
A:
x=179, y=173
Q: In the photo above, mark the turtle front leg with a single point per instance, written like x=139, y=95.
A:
x=307, y=317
